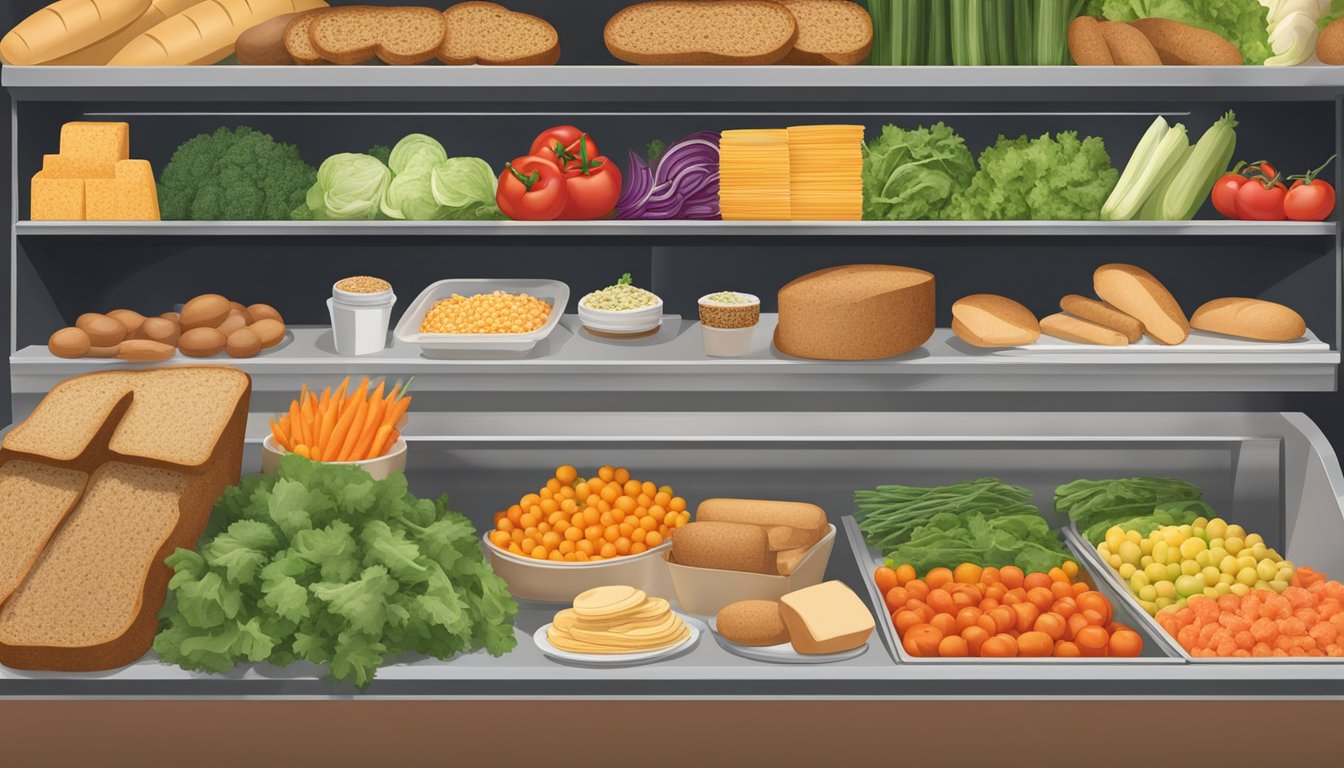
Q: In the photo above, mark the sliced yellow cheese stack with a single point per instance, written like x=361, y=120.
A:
x=754, y=175
x=826, y=172
x=94, y=179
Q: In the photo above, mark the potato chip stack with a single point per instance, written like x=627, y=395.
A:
x=826, y=172
x=616, y=619
x=754, y=175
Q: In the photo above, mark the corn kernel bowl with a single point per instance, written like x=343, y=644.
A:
x=409, y=327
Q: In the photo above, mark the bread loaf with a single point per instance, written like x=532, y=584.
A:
x=752, y=622
x=1128, y=46
x=264, y=44
x=769, y=514
x=1087, y=45
x=788, y=560
x=1141, y=296
x=298, y=42
x=66, y=26
x=1249, y=319
x=489, y=33
x=1102, y=314
x=858, y=312
x=1070, y=328
x=986, y=320
x=102, y=51
x=397, y=35
x=205, y=33
x=38, y=498
x=723, y=546
x=702, y=32
x=830, y=32
x=1185, y=45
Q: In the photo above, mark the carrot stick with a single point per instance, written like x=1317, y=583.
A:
x=397, y=410
x=332, y=448
x=297, y=418
x=278, y=433
x=375, y=417
x=361, y=412
x=328, y=414
x=380, y=441
x=326, y=396
x=303, y=451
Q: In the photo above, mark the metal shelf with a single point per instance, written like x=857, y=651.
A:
x=629, y=84
x=660, y=229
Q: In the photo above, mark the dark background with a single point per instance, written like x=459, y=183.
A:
x=73, y=275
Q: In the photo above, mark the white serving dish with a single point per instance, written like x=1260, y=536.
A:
x=629, y=322
x=616, y=659
x=705, y=591
x=408, y=328
x=782, y=653
x=547, y=581
x=381, y=468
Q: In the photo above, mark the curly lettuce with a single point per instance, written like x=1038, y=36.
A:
x=911, y=175
x=1061, y=178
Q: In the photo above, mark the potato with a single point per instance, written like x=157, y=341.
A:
x=159, y=329
x=69, y=343
x=129, y=318
x=247, y=314
x=234, y=322
x=269, y=331
x=103, y=331
x=263, y=311
x=202, y=342
x=1330, y=45
x=243, y=343
x=145, y=351
x=175, y=317
x=205, y=311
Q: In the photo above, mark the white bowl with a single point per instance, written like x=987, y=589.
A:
x=630, y=321
x=550, y=582
x=408, y=328
x=381, y=468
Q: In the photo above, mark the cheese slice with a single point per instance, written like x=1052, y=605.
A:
x=827, y=618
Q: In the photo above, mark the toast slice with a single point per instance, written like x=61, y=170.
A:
x=489, y=33
x=297, y=40
x=702, y=32
x=37, y=498
x=398, y=35
x=830, y=32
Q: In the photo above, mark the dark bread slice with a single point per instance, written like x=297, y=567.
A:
x=397, y=35
x=298, y=43
x=37, y=499
x=489, y=33
x=702, y=32
x=830, y=32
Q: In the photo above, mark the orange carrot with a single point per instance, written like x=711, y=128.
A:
x=370, y=425
x=278, y=433
x=380, y=441
x=361, y=412
x=328, y=414
x=297, y=419
x=397, y=410
x=332, y=447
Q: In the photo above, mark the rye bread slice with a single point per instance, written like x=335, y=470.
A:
x=37, y=498
x=489, y=33
x=297, y=41
x=702, y=32
x=398, y=35
x=830, y=32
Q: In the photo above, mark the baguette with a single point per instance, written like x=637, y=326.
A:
x=488, y=33
x=66, y=26
x=1102, y=314
x=986, y=320
x=830, y=32
x=400, y=35
x=1141, y=296
x=1070, y=328
x=102, y=51
x=1249, y=319
x=205, y=33
x=677, y=32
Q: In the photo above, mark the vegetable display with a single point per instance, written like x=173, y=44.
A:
x=982, y=521
x=971, y=32
x=990, y=612
x=911, y=175
x=677, y=182
x=233, y=175
x=1096, y=505
x=563, y=176
x=1243, y=22
x=1306, y=619
x=1060, y=178
x=323, y=563
x=1256, y=192
x=343, y=426
x=1166, y=179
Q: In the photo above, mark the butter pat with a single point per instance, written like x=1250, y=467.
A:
x=827, y=618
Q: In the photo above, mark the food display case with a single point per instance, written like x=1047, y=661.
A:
x=1251, y=423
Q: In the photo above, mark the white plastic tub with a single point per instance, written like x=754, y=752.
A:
x=359, y=321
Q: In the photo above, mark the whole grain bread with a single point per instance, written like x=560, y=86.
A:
x=856, y=312
x=830, y=32
x=1087, y=44
x=489, y=33
x=1075, y=329
x=397, y=35
x=38, y=497
x=723, y=546
x=297, y=40
x=702, y=32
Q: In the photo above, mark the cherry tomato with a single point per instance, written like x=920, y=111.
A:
x=886, y=579
x=531, y=188
x=1224, y=193
x=561, y=145
x=1310, y=198
x=1261, y=200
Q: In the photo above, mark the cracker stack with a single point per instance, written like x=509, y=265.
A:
x=609, y=620
x=826, y=172
x=754, y=179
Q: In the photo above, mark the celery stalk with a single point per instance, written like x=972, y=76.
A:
x=913, y=34
x=1207, y=162
x=1143, y=153
x=938, y=52
x=990, y=23
x=880, y=11
x=968, y=33
x=1152, y=208
x=1169, y=151
x=1024, y=26
x=1004, y=32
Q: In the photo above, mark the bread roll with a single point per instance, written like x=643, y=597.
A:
x=1330, y=44
x=205, y=33
x=1249, y=319
x=752, y=622
x=1070, y=328
x=1128, y=46
x=1141, y=296
x=1087, y=45
x=724, y=546
x=264, y=44
x=66, y=26
x=788, y=560
x=986, y=320
x=1102, y=314
x=856, y=312
x=791, y=514
x=1185, y=45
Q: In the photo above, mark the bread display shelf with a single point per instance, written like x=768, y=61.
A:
x=643, y=84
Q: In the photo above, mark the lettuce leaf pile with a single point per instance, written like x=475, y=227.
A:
x=1060, y=178
x=325, y=564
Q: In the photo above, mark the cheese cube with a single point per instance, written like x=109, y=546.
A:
x=130, y=196
x=66, y=167
x=57, y=199
x=96, y=143
x=827, y=618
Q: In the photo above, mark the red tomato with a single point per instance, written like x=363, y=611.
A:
x=1309, y=200
x=531, y=188
x=1224, y=193
x=593, y=185
x=1258, y=200
x=560, y=145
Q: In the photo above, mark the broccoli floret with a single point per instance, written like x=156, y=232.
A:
x=234, y=175
x=382, y=152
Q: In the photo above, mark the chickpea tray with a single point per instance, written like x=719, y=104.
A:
x=483, y=315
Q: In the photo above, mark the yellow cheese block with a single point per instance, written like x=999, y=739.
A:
x=130, y=196
x=57, y=199
x=96, y=143
x=67, y=167
x=827, y=618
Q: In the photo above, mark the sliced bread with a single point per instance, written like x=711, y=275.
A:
x=396, y=35
x=830, y=32
x=702, y=32
x=297, y=40
x=37, y=499
x=489, y=33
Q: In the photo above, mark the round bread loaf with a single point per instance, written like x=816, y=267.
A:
x=856, y=312
x=752, y=622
